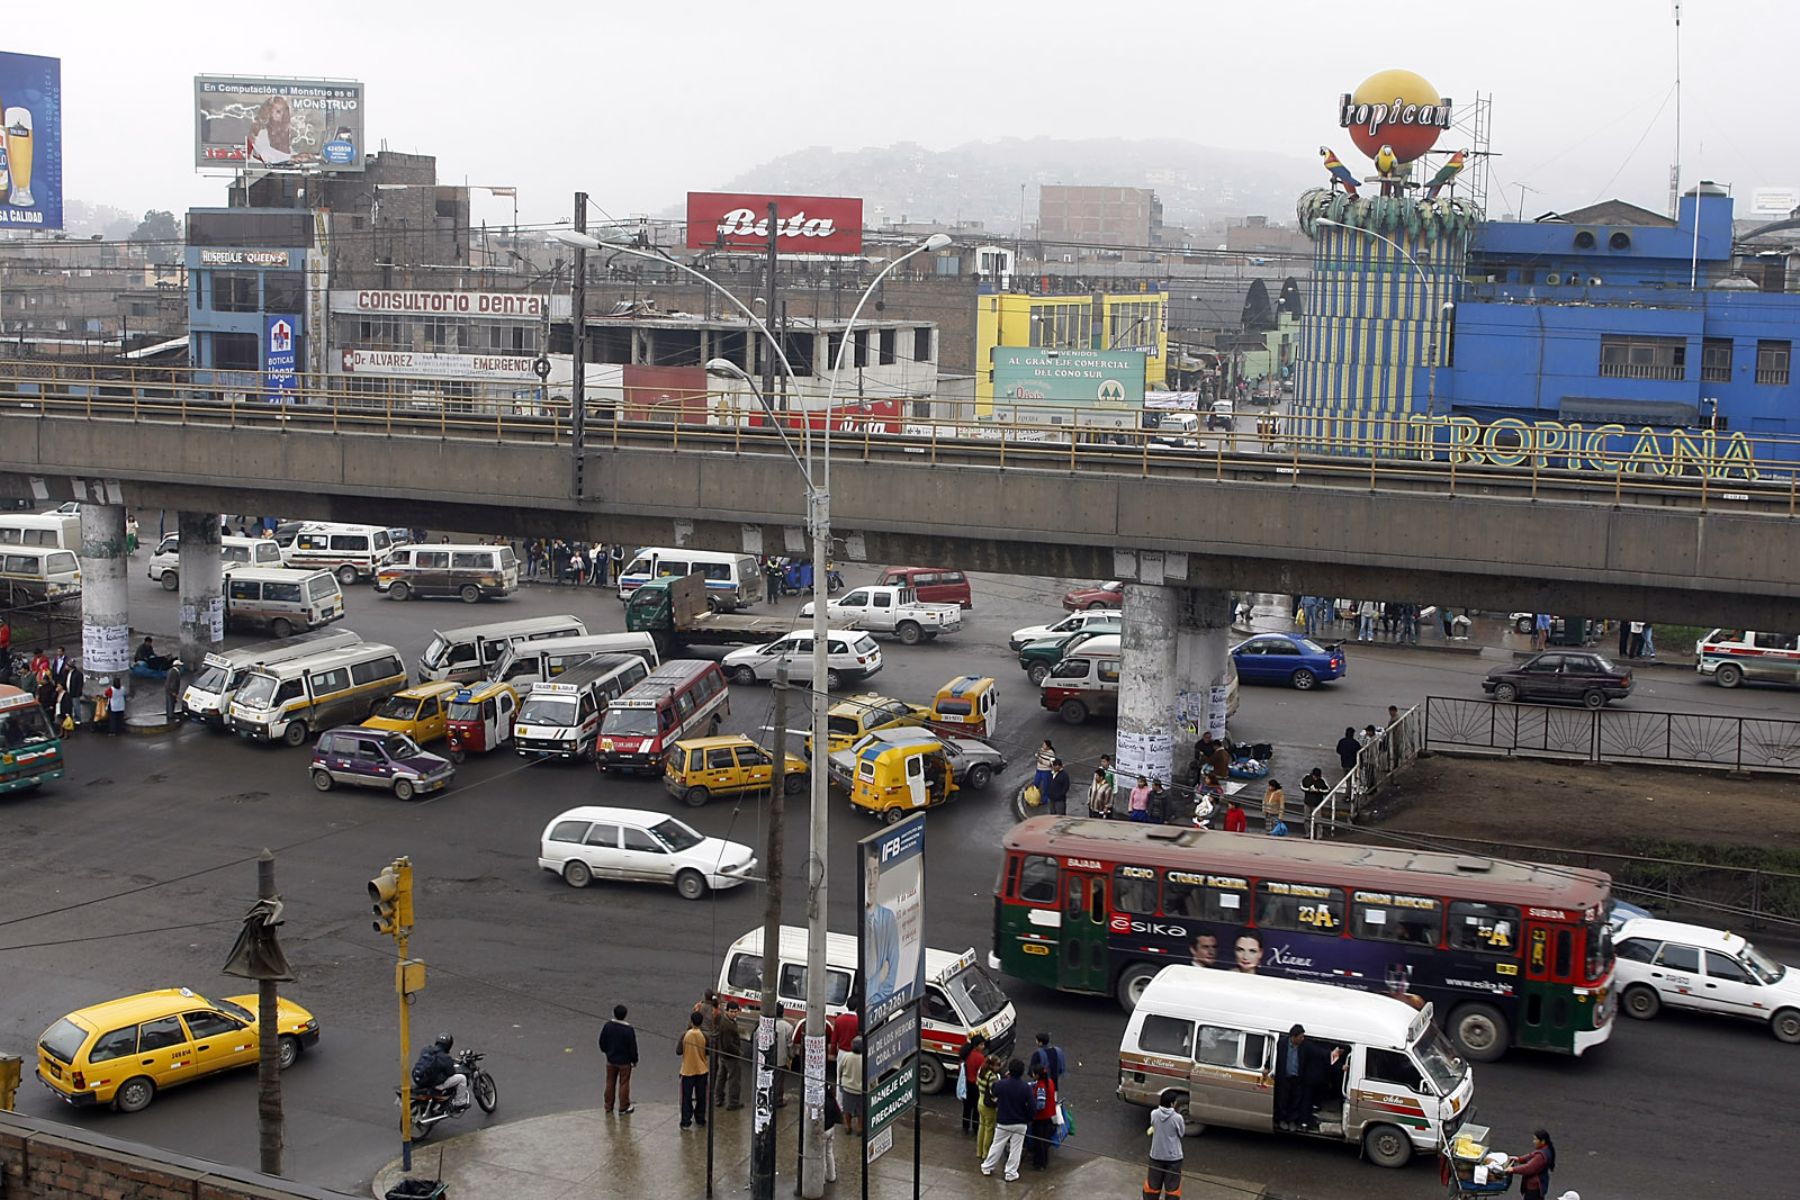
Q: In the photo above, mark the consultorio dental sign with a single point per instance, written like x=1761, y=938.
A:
x=1546, y=445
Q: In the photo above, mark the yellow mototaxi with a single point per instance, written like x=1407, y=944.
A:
x=894, y=781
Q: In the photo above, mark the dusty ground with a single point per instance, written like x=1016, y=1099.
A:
x=1590, y=808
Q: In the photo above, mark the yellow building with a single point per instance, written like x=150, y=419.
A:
x=1096, y=321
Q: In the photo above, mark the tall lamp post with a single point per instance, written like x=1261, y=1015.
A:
x=1437, y=313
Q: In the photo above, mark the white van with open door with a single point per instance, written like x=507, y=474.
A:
x=1382, y=1074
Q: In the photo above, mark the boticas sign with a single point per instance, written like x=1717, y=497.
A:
x=803, y=224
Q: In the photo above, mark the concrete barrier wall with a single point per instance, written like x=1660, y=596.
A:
x=40, y=1160
x=1488, y=552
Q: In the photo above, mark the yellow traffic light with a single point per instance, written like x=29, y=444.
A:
x=402, y=868
x=384, y=890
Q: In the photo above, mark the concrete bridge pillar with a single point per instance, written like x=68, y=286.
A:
x=105, y=610
x=201, y=571
x=1174, y=675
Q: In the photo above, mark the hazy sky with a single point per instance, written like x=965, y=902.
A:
x=638, y=103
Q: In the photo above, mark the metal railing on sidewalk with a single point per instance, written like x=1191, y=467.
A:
x=1391, y=751
x=1612, y=735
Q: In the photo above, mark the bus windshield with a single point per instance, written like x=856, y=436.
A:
x=975, y=995
x=23, y=726
x=1599, y=948
x=549, y=710
x=257, y=691
x=629, y=722
x=1439, y=1062
x=211, y=680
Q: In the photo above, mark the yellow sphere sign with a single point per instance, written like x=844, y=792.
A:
x=1397, y=109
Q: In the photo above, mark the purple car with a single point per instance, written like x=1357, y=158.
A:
x=377, y=758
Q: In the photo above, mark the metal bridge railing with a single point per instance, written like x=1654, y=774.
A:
x=1373, y=454
x=1376, y=763
x=1613, y=735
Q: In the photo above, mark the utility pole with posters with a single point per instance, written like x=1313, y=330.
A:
x=257, y=955
x=762, y=1146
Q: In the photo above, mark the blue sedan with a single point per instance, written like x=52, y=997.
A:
x=1288, y=658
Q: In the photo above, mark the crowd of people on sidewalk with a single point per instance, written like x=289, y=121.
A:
x=580, y=564
x=1395, y=621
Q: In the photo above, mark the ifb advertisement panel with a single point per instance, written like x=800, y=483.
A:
x=278, y=124
x=31, y=184
x=893, y=943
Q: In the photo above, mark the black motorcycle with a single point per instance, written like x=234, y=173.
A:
x=431, y=1105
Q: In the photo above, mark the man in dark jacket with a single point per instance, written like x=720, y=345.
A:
x=1012, y=1099
x=1347, y=749
x=730, y=1044
x=618, y=1042
x=1056, y=792
x=1302, y=1069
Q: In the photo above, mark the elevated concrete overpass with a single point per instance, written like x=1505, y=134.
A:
x=1692, y=550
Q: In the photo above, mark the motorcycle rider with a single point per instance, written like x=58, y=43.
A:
x=436, y=1069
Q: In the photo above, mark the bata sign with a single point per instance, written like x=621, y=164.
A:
x=450, y=304
x=407, y=365
x=803, y=224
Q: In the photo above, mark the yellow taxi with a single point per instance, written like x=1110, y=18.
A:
x=422, y=713
x=698, y=769
x=124, y=1051
x=849, y=719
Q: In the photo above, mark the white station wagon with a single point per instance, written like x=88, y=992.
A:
x=1691, y=966
x=640, y=846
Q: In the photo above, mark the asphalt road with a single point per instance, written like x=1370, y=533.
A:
x=133, y=872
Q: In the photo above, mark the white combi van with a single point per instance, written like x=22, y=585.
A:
x=526, y=663
x=59, y=529
x=732, y=580
x=1214, y=1037
x=281, y=601
x=1731, y=656
x=39, y=572
x=961, y=999
x=560, y=717
x=207, y=698
x=288, y=701
x=237, y=551
x=471, y=652
x=351, y=552
x=468, y=572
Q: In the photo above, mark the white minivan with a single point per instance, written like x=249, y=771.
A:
x=207, y=698
x=237, y=551
x=732, y=580
x=560, y=718
x=473, y=651
x=1394, y=1083
x=525, y=663
x=961, y=998
x=59, y=529
x=352, y=552
x=852, y=655
x=1708, y=970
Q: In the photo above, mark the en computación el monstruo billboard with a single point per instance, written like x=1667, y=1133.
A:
x=278, y=124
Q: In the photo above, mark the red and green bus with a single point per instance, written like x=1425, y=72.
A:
x=30, y=749
x=1509, y=954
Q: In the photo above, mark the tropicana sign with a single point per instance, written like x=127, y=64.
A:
x=1546, y=445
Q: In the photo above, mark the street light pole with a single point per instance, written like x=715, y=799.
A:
x=578, y=351
x=1437, y=314
x=812, y=1167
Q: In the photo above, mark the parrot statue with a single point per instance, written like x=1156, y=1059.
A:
x=1446, y=173
x=1385, y=162
x=1340, y=174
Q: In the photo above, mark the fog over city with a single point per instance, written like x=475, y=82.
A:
x=638, y=104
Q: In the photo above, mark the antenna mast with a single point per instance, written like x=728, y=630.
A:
x=1675, y=167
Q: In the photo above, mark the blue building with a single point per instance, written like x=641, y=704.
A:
x=247, y=271
x=1615, y=314
x=1607, y=316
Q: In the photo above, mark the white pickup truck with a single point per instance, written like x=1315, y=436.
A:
x=895, y=610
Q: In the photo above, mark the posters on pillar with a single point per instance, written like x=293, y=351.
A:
x=1218, y=709
x=215, y=618
x=1191, y=711
x=1151, y=755
x=765, y=1072
x=105, y=649
x=815, y=1074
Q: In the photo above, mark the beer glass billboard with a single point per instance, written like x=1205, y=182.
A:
x=30, y=142
x=278, y=124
